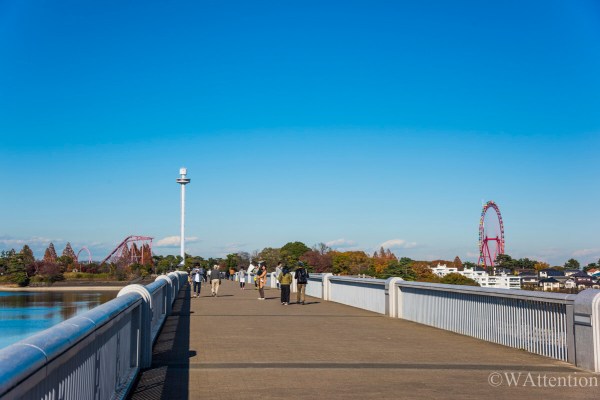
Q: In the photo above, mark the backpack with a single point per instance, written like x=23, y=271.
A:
x=301, y=276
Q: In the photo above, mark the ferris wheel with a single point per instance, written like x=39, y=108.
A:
x=491, y=235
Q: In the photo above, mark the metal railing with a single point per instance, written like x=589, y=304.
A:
x=560, y=326
x=95, y=355
x=368, y=294
x=541, y=323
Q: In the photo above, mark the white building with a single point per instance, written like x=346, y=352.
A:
x=442, y=270
x=502, y=281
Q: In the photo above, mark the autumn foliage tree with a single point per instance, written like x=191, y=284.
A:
x=350, y=262
x=318, y=259
x=50, y=254
x=382, y=259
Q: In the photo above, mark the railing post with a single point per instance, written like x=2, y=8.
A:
x=391, y=297
x=146, y=323
x=169, y=290
x=326, y=286
x=294, y=286
x=587, y=329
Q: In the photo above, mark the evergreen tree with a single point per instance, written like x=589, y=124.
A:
x=28, y=257
x=50, y=254
x=68, y=252
x=458, y=263
x=16, y=270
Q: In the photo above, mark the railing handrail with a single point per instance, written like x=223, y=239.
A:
x=378, y=282
x=25, y=357
x=561, y=298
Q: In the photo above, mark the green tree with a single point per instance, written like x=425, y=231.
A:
x=399, y=268
x=572, y=264
x=231, y=261
x=292, y=251
x=458, y=279
x=28, y=257
x=271, y=257
x=351, y=262
x=16, y=270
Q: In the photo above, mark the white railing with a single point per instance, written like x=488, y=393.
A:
x=560, y=326
x=368, y=294
x=533, y=321
x=95, y=355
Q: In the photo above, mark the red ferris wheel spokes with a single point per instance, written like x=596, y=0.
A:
x=491, y=235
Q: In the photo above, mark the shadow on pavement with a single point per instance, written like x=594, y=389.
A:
x=168, y=376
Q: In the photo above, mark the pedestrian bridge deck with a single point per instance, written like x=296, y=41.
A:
x=237, y=347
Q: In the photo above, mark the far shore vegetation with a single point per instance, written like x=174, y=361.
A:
x=23, y=269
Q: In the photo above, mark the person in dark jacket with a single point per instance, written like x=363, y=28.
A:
x=301, y=279
x=215, y=280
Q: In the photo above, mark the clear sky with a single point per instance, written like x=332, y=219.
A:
x=353, y=123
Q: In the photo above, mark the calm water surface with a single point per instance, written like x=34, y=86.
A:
x=25, y=313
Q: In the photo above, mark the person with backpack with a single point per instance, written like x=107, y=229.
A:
x=215, y=280
x=285, y=278
x=302, y=279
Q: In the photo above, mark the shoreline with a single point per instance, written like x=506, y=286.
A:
x=83, y=286
x=61, y=288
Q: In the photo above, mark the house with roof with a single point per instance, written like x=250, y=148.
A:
x=582, y=277
x=550, y=272
x=549, y=284
x=529, y=278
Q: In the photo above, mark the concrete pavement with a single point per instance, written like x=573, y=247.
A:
x=237, y=347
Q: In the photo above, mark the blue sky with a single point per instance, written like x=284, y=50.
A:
x=353, y=123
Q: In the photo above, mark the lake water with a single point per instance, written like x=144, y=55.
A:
x=24, y=313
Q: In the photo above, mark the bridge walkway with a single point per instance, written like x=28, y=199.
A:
x=237, y=347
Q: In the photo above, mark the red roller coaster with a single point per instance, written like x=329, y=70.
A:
x=140, y=251
x=89, y=261
x=491, y=235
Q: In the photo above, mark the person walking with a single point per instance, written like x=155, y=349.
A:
x=197, y=280
x=215, y=280
x=242, y=277
x=285, y=278
x=277, y=272
x=262, y=280
x=301, y=279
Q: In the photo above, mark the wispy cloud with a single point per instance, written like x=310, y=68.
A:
x=398, y=244
x=9, y=241
x=586, y=252
x=341, y=244
x=174, y=241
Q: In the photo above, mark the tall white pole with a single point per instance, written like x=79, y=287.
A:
x=183, y=224
x=183, y=180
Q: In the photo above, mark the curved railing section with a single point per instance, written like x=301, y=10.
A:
x=95, y=355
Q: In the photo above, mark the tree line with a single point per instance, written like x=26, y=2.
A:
x=22, y=268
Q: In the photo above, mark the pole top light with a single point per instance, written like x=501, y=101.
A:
x=183, y=180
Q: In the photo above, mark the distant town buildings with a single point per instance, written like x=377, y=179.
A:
x=479, y=275
x=548, y=279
